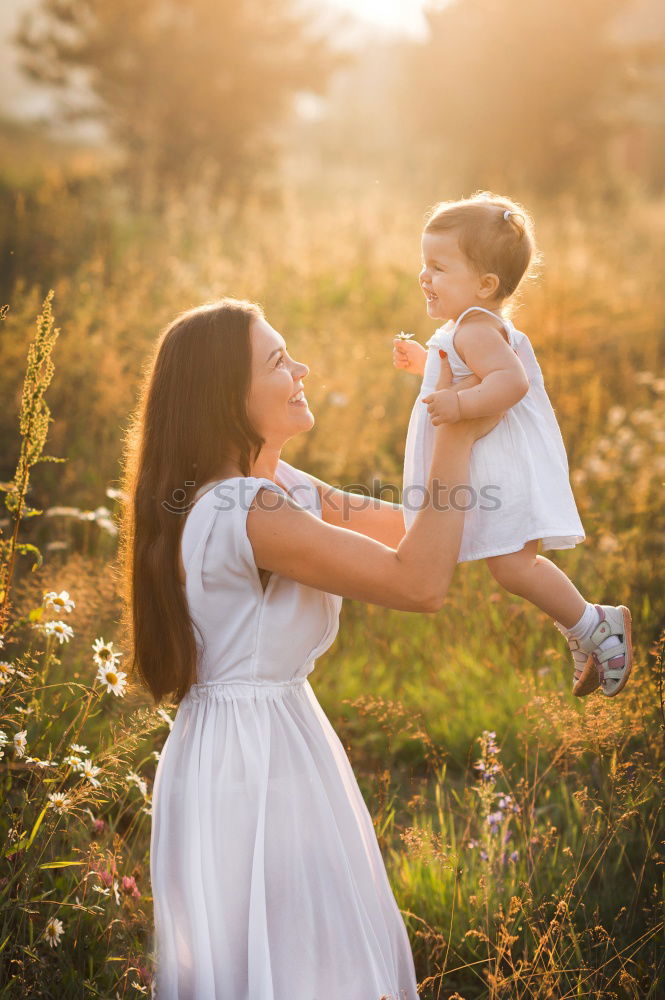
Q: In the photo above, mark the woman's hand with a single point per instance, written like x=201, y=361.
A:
x=443, y=408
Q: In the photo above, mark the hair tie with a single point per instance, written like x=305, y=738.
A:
x=507, y=214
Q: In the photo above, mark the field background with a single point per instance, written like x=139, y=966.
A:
x=544, y=879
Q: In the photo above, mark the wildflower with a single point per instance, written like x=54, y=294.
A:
x=165, y=717
x=484, y=856
x=134, y=779
x=115, y=680
x=73, y=760
x=101, y=890
x=129, y=886
x=63, y=631
x=78, y=748
x=494, y=819
x=472, y=843
x=104, y=653
x=40, y=763
x=156, y=754
x=54, y=931
x=20, y=742
x=59, y=802
x=89, y=771
x=3, y=738
x=98, y=826
x=58, y=602
x=514, y=856
x=6, y=671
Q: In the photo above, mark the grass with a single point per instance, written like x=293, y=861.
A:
x=541, y=879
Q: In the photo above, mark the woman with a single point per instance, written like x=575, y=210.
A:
x=267, y=879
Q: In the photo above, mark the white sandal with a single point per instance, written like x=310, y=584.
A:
x=614, y=664
x=586, y=678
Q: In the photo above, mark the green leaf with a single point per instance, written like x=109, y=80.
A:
x=61, y=864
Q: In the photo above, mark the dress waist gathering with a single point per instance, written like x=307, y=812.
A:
x=222, y=690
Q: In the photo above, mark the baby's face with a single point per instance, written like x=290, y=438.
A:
x=448, y=280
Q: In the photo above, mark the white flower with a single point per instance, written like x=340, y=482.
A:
x=104, y=654
x=115, y=680
x=58, y=602
x=165, y=717
x=73, y=760
x=6, y=671
x=156, y=754
x=616, y=416
x=88, y=770
x=78, y=748
x=20, y=742
x=54, y=931
x=59, y=802
x=3, y=738
x=63, y=631
x=101, y=889
x=135, y=779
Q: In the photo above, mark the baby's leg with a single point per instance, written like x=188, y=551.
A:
x=529, y=575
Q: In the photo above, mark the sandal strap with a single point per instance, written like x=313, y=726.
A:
x=618, y=652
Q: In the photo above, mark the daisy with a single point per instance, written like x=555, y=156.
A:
x=134, y=779
x=54, y=931
x=114, y=679
x=20, y=742
x=73, y=760
x=3, y=738
x=6, y=671
x=88, y=770
x=104, y=653
x=78, y=748
x=63, y=631
x=165, y=717
x=58, y=602
x=59, y=802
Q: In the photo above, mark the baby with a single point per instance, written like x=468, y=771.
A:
x=475, y=253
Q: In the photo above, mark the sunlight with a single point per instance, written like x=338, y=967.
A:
x=397, y=15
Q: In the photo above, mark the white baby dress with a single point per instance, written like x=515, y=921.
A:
x=518, y=472
x=267, y=878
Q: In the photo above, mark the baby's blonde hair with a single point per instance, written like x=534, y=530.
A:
x=496, y=235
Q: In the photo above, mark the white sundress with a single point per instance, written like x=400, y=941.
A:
x=267, y=878
x=518, y=472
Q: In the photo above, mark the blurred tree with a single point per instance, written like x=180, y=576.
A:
x=525, y=92
x=185, y=88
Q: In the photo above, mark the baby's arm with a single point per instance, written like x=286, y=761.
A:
x=503, y=380
x=409, y=355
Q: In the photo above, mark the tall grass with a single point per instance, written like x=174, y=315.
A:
x=522, y=829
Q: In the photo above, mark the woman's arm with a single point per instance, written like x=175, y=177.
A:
x=378, y=519
x=414, y=576
x=503, y=378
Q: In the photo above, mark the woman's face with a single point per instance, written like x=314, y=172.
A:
x=276, y=405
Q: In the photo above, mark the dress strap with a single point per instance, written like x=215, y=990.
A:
x=505, y=321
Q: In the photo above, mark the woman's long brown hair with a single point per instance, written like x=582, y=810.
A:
x=191, y=416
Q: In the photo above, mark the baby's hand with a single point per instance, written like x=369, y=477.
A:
x=442, y=406
x=408, y=354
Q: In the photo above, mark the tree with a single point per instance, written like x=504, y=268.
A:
x=526, y=92
x=184, y=87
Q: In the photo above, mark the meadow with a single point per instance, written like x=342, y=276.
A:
x=522, y=828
